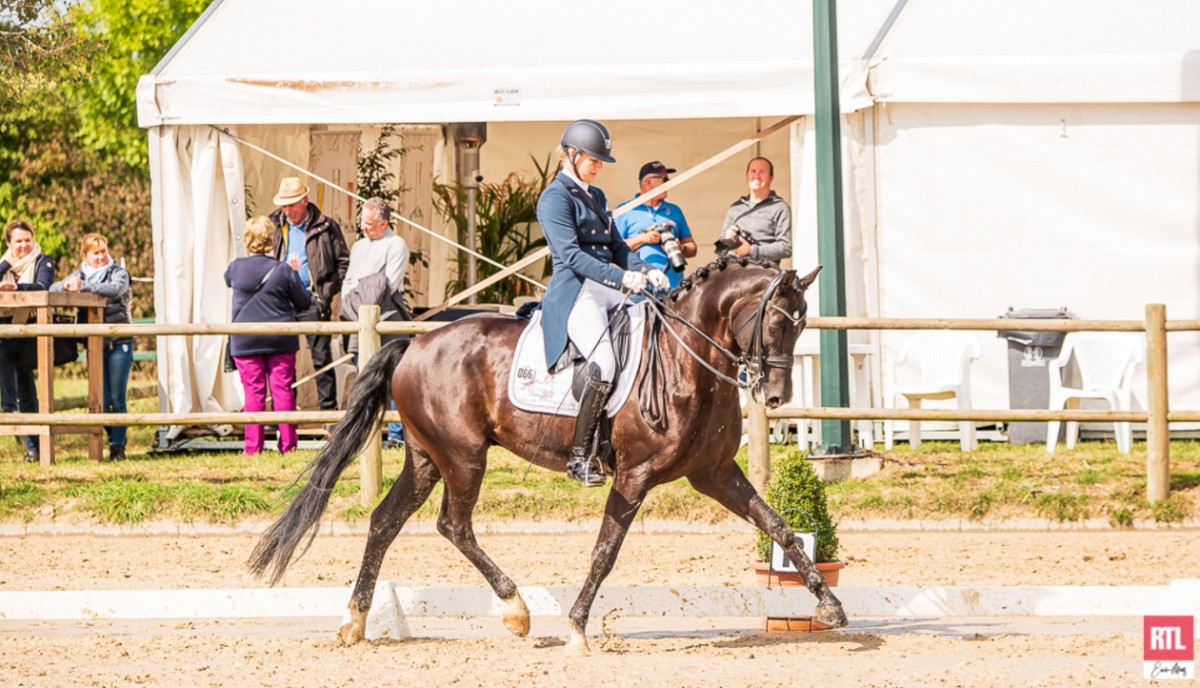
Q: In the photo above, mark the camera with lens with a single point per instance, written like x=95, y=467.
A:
x=670, y=245
x=725, y=245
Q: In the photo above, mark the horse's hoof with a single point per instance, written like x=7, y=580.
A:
x=832, y=615
x=577, y=646
x=516, y=616
x=350, y=633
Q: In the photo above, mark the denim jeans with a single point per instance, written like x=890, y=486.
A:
x=18, y=388
x=395, y=430
x=118, y=359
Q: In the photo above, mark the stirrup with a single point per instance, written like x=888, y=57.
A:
x=586, y=470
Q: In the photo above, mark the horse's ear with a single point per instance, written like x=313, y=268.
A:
x=789, y=276
x=807, y=280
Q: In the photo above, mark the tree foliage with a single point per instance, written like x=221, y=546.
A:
x=72, y=159
x=131, y=36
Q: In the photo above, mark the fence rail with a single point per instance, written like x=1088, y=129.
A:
x=369, y=328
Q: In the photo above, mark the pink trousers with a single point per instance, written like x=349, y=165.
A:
x=257, y=372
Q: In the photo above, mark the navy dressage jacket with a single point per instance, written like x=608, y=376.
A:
x=584, y=244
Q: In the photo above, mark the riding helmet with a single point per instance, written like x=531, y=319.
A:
x=589, y=136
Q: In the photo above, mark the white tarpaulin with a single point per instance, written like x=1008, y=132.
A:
x=997, y=153
x=197, y=184
x=282, y=61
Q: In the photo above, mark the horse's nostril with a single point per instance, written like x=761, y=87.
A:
x=774, y=402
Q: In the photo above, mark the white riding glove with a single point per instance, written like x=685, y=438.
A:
x=634, y=281
x=659, y=279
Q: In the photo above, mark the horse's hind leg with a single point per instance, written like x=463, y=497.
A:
x=410, y=491
x=458, y=503
x=729, y=486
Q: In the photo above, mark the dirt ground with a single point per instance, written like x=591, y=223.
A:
x=676, y=652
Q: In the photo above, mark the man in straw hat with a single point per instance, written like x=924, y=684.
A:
x=314, y=246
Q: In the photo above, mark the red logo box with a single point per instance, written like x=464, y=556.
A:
x=1168, y=639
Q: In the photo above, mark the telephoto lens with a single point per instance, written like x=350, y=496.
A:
x=671, y=246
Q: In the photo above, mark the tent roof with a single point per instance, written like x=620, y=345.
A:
x=1062, y=51
x=301, y=61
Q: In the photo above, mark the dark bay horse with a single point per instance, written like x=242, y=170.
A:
x=450, y=388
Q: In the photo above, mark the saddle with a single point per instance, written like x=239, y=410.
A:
x=532, y=388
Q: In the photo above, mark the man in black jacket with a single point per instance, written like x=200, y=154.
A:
x=314, y=246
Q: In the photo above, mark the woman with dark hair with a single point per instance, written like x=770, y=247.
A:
x=101, y=275
x=23, y=267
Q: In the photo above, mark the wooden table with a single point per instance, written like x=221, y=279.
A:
x=43, y=304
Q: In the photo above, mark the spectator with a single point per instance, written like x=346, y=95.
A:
x=101, y=275
x=265, y=290
x=380, y=251
x=314, y=246
x=23, y=267
x=642, y=227
x=762, y=215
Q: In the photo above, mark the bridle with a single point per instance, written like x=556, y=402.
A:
x=755, y=361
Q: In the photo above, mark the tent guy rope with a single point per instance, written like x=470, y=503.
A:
x=621, y=210
x=355, y=196
x=514, y=269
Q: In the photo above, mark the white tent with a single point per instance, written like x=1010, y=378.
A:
x=997, y=153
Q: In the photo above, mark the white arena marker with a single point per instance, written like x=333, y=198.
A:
x=386, y=618
x=393, y=604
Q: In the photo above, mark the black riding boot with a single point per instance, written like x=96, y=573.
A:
x=585, y=463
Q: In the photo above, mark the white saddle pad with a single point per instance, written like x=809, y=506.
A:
x=531, y=388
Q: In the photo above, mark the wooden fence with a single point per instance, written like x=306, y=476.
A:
x=369, y=328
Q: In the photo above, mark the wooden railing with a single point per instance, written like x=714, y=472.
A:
x=1157, y=416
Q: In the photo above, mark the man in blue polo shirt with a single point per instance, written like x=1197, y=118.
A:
x=642, y=228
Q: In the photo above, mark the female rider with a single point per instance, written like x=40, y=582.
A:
x=584, y=246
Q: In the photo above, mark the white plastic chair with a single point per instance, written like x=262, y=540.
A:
x=1105, y=362
x=936, y=365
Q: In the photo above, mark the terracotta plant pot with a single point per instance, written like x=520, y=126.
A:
x=796, y=624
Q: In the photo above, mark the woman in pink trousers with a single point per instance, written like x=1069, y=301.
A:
x=265, y=290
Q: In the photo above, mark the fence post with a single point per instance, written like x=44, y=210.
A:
x=1158, y=432
x=758, y=444
x=371, y=459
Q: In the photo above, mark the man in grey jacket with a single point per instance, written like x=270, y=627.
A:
x=759, y=224
x=380, y=252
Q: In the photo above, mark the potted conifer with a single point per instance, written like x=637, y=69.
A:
x=796, y=493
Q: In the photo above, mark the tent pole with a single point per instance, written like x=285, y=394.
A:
x=835, y=388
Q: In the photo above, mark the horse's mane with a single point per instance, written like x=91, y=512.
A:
x=701, y=273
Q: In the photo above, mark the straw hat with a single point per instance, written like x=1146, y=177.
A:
x=291, y=189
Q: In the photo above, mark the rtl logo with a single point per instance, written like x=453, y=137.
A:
x=1168, y=647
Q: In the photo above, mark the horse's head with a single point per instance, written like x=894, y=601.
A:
x=767, y=319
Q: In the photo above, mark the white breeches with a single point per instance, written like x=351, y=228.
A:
x=587, y=325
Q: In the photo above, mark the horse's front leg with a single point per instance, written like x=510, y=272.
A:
x=628, y=490
x=730, y=487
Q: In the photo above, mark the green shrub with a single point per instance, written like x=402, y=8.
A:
x=798, y=495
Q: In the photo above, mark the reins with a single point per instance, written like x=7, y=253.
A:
x=652, y=390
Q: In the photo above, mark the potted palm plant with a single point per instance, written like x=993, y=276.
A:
x=796, y=493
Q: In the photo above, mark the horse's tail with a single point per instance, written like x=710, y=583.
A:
x=278, y=545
